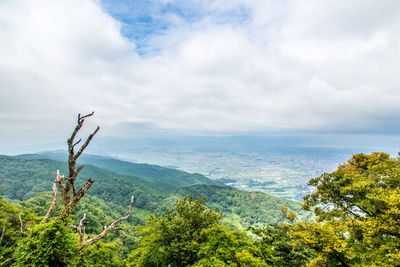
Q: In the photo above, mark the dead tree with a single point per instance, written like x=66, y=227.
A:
x=66, y=186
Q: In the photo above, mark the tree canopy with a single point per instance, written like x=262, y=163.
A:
x=190, y=235
x=357, y=209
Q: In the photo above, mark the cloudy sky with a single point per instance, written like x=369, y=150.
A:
x=199, y=67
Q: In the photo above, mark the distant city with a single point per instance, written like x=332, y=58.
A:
x=278, y=166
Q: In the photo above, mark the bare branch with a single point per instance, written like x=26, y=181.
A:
x=81, y=228
x=111, y=228
x=85, y=116
x=125, y=217
x=82, y=191
x=4, y=262
x=21, y=223
x=53, y=205
x=77, y=142
x=70, y=140
x=80, y=167
x=60, y=182
x=86, y=143
x=2, y=232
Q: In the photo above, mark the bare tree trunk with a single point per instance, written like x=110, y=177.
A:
x=72, y=157
x=68, y=208
x=71, y=199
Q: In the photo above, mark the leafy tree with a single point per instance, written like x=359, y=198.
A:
x=52, y=244
x=13, y=224
x=357, y=210
x=191, y=235
x=224, y=247
x=173, y=238
x=101, y=254
x=55, y=244
x=276, y=246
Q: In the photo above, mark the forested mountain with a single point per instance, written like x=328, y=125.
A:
x=165, y=179
x=24, y=176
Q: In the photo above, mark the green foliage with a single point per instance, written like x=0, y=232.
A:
x=23, y=179
x=101, y=254
x=224, y=247
x=190, y=235
x=116, y=191
x=241, y=209
x=10, y=227
x=358, y=213
x=52, y=244
x=276, y=246
x=173, y=238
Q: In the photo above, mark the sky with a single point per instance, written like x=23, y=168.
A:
x=223, y=67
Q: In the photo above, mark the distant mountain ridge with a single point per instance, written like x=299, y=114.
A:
x=165, y=179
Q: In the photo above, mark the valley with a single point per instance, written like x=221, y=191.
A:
x=280, y=166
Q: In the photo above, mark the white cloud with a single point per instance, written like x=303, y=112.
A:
x=290, y=65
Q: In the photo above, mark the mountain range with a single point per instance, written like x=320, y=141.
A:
x=23, y=178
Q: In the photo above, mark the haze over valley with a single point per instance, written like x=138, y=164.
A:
x=278, y=165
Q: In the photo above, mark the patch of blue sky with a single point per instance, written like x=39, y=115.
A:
x=143, y=19
x=141, y=29
x=193, y=13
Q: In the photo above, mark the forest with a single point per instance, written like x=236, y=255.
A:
x=179, y=219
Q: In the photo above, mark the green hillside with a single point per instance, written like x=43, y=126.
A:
x=164, y=179
x=25, y=176
x=241, y=209
x=23, y=179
